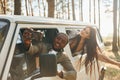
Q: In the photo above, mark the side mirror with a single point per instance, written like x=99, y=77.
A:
x=48, y=65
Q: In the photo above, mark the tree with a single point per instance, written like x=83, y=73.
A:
x=90, y=10
x=51, y=7
x=81, y=9
x=99, y=13
x=26, y=7
x=94, y=13
x=39, y=7
x=17, y=7
x=114, y=44
x=119, y=28
x=73, y=10
x=44, y=7
x=68, y=9
x=31, y=8
x=3, y=6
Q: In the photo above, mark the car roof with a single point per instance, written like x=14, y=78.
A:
x=36, y=19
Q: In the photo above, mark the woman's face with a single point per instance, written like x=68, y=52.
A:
x=85, y=33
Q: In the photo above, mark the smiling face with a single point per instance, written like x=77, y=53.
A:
x=85, y=33
x=60, y=41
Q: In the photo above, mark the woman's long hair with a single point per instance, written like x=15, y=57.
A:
x=91, y=45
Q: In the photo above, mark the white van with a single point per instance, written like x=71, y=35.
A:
x=13, y=65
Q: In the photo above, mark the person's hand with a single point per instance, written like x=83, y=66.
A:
x=60, y=74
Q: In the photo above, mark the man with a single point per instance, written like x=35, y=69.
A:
x=59, y=42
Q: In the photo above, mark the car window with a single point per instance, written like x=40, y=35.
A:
x=3, y=31
x=72, y=32
x=23, y=64
x=99, y=38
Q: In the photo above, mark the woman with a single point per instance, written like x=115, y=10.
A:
x=85, y=41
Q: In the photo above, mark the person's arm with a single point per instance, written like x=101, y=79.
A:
x=75, y=44
x=31, y=49
x=106, y=59
x=70, y=73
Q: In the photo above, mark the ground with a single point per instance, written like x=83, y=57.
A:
x=112, y=71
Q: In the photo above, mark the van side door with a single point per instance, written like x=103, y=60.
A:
x=6, y=34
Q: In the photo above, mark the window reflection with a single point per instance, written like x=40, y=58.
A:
x=3, y=31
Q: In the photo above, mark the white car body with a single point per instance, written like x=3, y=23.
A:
x=19, y=22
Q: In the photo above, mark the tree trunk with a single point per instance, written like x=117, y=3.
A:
x=51, y=7
x=94, y=13
x=26, y=6
x=3, y=6
x=114, y=44
x=30, y=2
x=44, y=7
x=81, y=10
x=119, y=27
x=68, y=10
x=99, y=13
x=17, y=6
x=89, y=10
x=73, y=10
x=39, y=7
x=62, y=9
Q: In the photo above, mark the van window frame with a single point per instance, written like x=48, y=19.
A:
x=98, y=36
x=22, y=26
x=6, y=30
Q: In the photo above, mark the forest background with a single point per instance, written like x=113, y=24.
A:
x=104, y=13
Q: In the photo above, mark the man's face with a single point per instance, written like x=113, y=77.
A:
x=60, y=41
